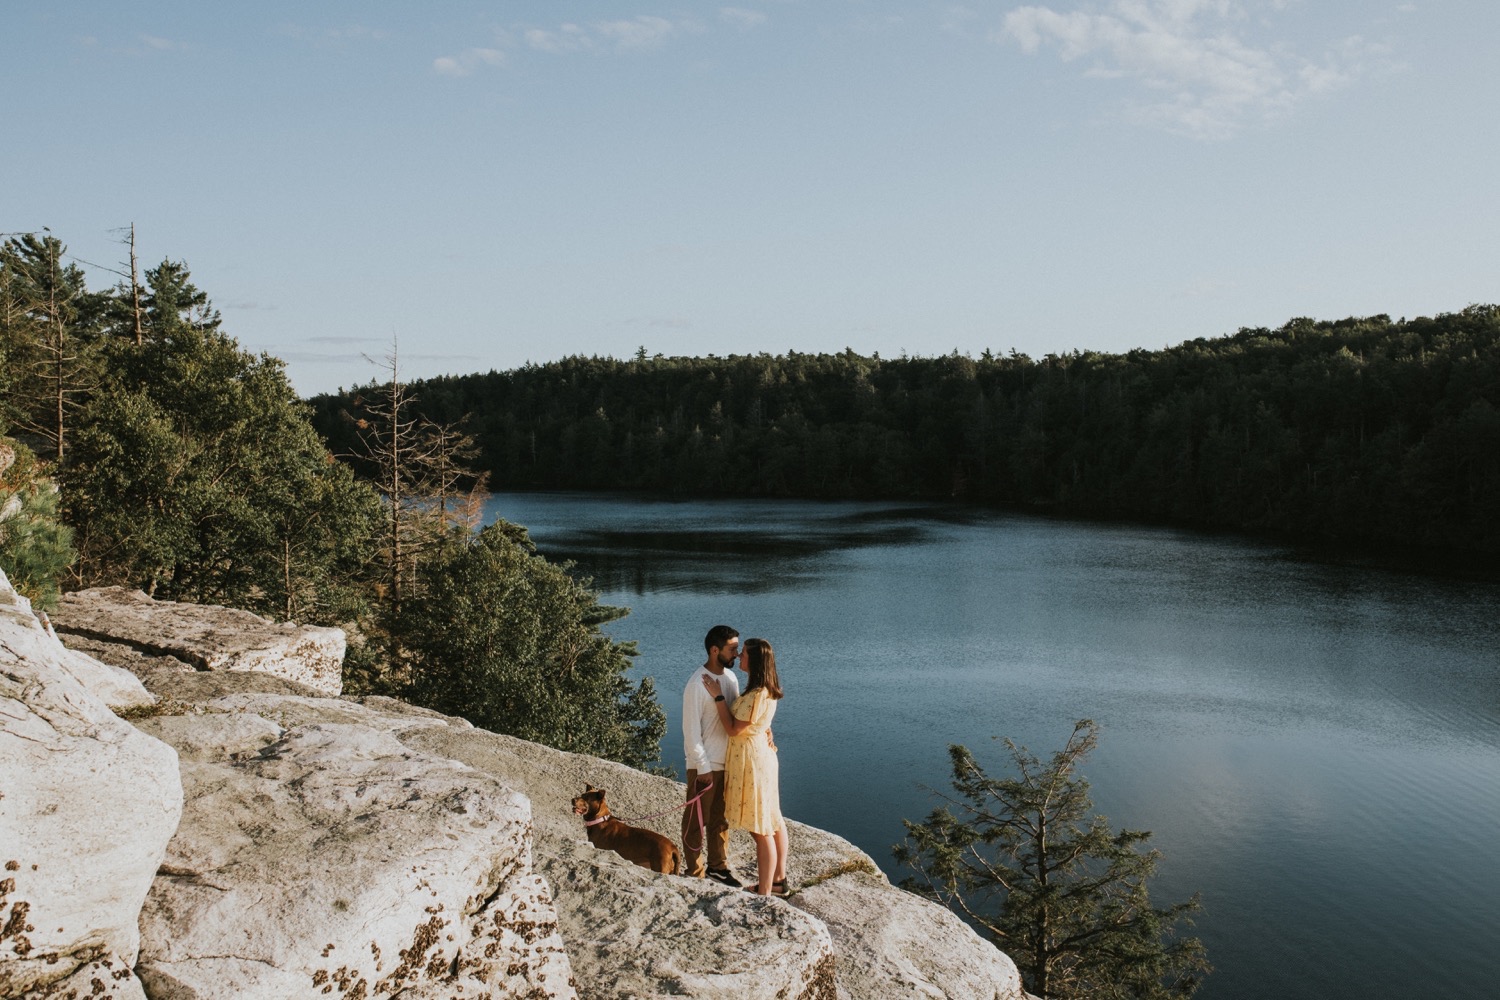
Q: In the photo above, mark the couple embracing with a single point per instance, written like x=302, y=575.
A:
x=731, y=761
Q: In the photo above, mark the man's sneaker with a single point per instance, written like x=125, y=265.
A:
x=724, y=876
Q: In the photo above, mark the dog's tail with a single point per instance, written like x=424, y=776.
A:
x=676, y=860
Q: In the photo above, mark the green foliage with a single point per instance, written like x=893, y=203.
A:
x=512, y=643
x=49, y=340
x=35, y=546
x=1057, y=890
x=1367, y=430
x=191, y=470
x=197, y=476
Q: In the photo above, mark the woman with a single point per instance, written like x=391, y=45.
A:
x=752, y=786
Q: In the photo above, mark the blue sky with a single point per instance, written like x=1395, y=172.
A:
x=497, y=183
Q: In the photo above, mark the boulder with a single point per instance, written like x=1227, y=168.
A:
x=328, y=858
x=87, y=806
x=121, y=690
x=206, y=636
x=116, y=687
x=891, y=943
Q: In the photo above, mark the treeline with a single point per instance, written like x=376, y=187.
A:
x=1367, y=430
x=141, y=446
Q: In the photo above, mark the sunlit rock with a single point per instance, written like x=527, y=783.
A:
x=87, y=805
x=206, y=636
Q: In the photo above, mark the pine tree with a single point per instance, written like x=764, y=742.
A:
x=44, y=302
x=35, y=546
x=1057, y=890
x=197, y=475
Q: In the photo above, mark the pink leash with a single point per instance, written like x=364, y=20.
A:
x=696, y=802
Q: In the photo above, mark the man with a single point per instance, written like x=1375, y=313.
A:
x=704, y=743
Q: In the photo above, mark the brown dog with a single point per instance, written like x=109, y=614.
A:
x=644, y=847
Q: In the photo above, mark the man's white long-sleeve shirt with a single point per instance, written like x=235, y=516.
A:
x=704, y=741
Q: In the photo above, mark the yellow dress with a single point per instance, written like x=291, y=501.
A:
x=752, y=782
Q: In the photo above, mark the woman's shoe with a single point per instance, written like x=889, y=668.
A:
x=779, y=888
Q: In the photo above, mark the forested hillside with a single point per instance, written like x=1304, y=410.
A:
x=1366, y=430
x=141, y=446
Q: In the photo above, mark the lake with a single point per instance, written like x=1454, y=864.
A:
x=1315, y=746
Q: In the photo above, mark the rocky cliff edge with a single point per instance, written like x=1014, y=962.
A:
x=248, y=835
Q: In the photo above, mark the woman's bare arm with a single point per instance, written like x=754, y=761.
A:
x=732, y=726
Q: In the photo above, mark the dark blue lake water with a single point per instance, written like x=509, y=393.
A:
x=1315, y=747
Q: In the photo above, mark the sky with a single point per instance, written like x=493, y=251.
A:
x=486, y=185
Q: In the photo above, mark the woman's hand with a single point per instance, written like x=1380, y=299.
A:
x=731, y=725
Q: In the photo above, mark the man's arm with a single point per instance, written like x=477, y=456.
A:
x=692, y=729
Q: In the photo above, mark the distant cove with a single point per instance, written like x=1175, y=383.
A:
x=1316, y=747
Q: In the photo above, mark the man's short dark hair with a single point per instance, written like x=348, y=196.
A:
x=718, y=636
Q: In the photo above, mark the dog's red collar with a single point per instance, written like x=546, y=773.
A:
x=596, y=821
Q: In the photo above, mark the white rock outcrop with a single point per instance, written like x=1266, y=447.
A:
x=330, y=854
x=87, y=805
x=365, y=847
x=207, y=636
x=898, y=944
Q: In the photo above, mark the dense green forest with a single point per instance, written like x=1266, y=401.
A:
x=1364, y=430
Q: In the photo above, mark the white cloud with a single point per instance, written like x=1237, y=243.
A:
x=567, y=38
x=644, y=31
x=467, y=61
x=742, y=18
x=637, y=33
x=1196, y=73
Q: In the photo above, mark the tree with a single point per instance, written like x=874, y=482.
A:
x=1065, y=897
x=44, y=303
x=174, y=305
x=421, y=468
x=197, y=476
x=35, y=546
x=512, y=642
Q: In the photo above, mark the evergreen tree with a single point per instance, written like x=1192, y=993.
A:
x=35, y=546
x=43, y=305
x=173, y=305
x=1057, y=890
x=511, y=642
x=197, y=476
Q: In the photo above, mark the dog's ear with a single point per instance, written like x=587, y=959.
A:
x=600, y=791
x=588, y=787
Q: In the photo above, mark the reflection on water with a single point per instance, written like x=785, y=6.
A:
x=758, y=552
x=1316, y=746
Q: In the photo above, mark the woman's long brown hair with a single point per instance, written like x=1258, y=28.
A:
x=762, y=667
